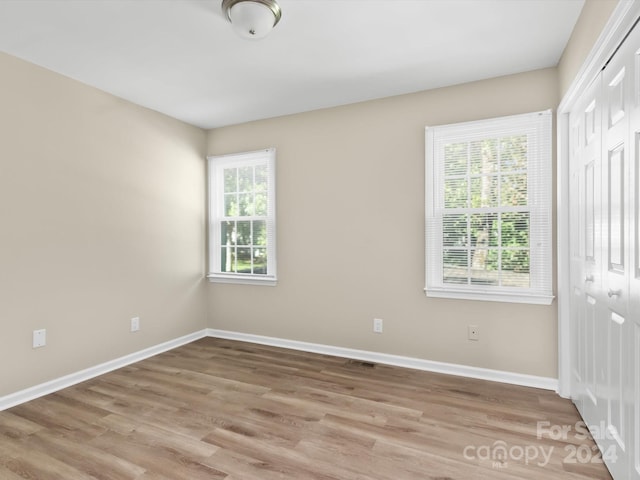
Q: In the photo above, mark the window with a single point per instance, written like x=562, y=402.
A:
x=488, y=209
x=242, y=223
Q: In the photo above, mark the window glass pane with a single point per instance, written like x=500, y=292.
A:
x=230, y=180
x=455, y=159
x=246, y=204
x=261, y=178
x=484, y=230
x=230, y=205
x=515, y=268
x=227, y=233
x=513, y=153
x=484, y=191
x=514, y=190
x=484, y=267
x=261, y=204
x=259, y=233
x=484, y=156
x=455, y=266
x=493, y=260
x=515, y=229
x=243, y=235
x=245, y=179
x=455, y=193
x=260, y=261
x=228, y=259
x=243, y=260
x=454, y=230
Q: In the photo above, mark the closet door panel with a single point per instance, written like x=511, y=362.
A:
x=618, y=94
x=632, y=351
x=585, y=245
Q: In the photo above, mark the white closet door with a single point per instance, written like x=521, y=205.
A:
x=632, y=347
x=614, y=324
x=586, y=246
x=605, y=258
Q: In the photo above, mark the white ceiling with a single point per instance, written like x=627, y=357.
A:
x=182, y=58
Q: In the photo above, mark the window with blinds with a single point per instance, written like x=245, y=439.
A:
x=242, y=218
x=489, y=209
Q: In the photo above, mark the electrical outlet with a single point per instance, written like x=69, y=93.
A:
x=473, y=332
x=377, y=325
x=135, y=324
x=39, y=338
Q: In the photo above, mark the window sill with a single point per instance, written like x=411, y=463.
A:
x=243, y=279
x=505, y=297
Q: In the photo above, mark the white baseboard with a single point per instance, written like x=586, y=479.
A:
x=501, y=376
x=52, y=386
x=31, y=393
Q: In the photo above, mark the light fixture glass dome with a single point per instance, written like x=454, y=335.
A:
x=252, y=19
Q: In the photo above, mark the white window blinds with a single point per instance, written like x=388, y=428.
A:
x=489, y=210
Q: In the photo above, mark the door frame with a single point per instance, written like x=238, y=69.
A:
x=623, y=18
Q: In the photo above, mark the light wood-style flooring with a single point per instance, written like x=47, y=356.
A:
x=220, y=409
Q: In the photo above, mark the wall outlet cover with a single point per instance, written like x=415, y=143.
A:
x=39, y=338
x=135, y=324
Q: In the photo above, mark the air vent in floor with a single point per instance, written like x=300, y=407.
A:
x=360, y=363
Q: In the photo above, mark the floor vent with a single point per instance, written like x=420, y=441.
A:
x=360, y=363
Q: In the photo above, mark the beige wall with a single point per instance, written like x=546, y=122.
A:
x=592, y=20
x=102, y=217
x=350, y=203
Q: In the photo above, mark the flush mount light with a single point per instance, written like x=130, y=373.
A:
x=252, y=18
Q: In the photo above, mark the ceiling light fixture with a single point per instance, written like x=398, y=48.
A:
x=252, y=18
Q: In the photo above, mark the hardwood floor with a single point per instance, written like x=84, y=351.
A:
x=220, y=409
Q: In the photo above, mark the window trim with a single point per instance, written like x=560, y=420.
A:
x=215, y=165
x=541, y=270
